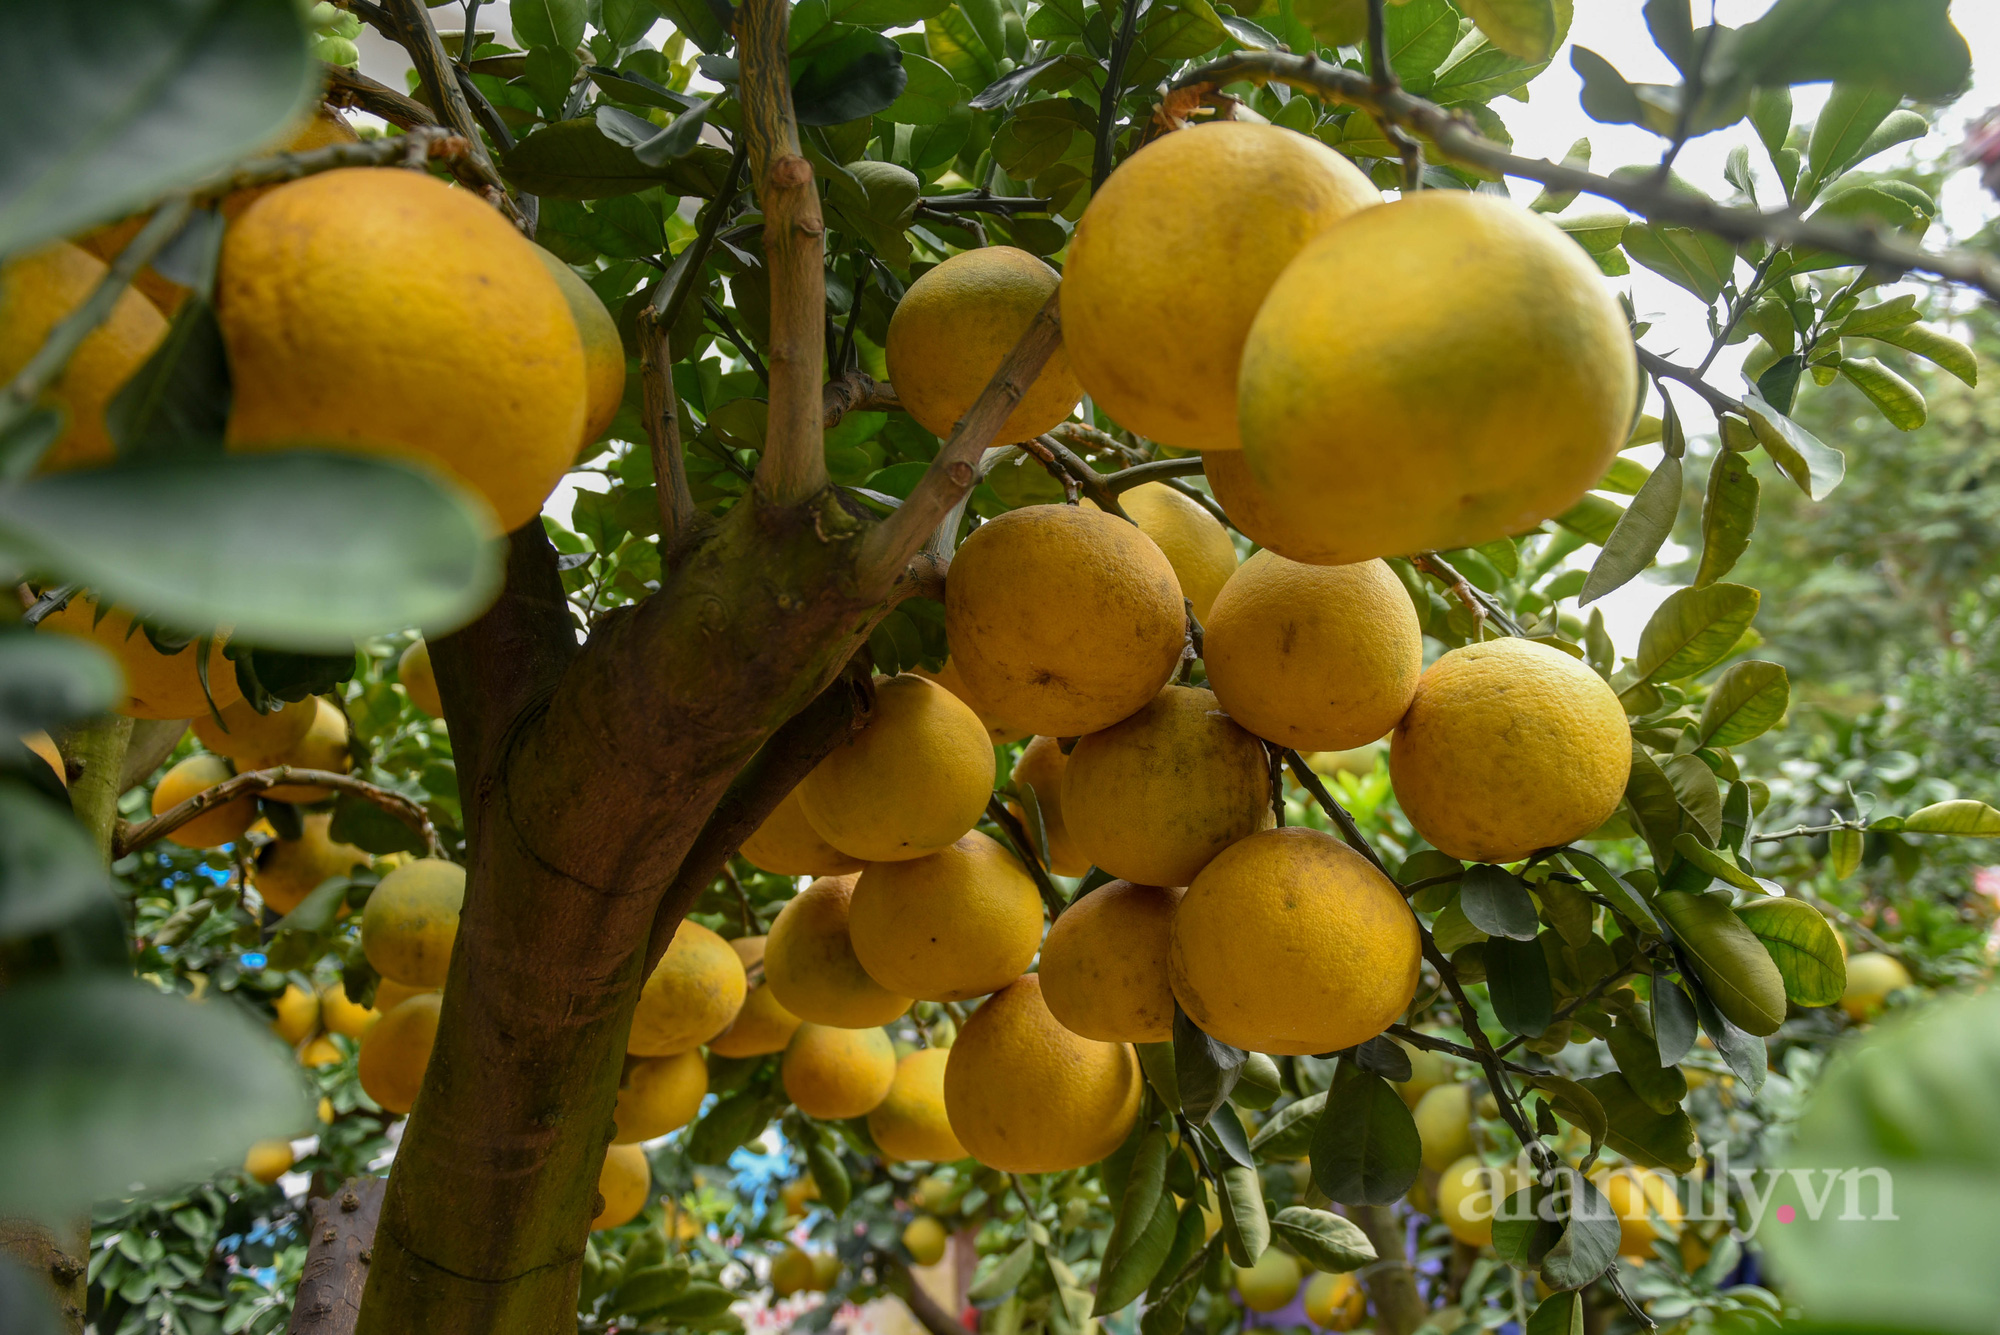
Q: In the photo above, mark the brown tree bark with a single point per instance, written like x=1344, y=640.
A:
x=60, y=1260
x=340, y=1238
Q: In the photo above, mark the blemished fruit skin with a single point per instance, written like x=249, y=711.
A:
x=297, y=1014
x=956, y=324
x=411, y=920
x=1635, y=1196
x=1270, y=1284
x=924, y=1238
x=1051, y=652
x=810, y=965
x=1190, y=233
x=625, y=1181
x=949, y=678
x=157, y=685
x=36, y=291
x=1871, y=977
x=1195, y=545
x=958, y=924
x=1508, y=747
x=838, y=1073
x=913, y=780
x=1438, y=372
x=214, y=827
x=413, y=670
x=1041, y=767
x=1444, y=1124
x=603, y=352
x=658, y=1095
x=1470, y=1193
x=910, y=1124
x=1026, y=1095
x=290, y=869
x=693, y=994
x=1291, y=943
x=268, y=1160
x=324, y=747
x=763, y=1025
x=247, y=736
x=1104, y=964
x=786, y=844
x=1154, y=797
x=1315, y=658
x=397, y=1048
x=347, y=1018
x=1335, y=1302
x=353, y=267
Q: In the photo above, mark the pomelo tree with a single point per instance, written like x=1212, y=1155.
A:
x=628, y=699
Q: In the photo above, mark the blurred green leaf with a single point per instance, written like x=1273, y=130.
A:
x=49, y=869
x=1905, y=46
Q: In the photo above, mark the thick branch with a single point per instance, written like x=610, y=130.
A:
x=856, y=392
x=1089, y=481
x=339, y=1241
x=887, y=549
x=1458, y=139
x=352, y=88
x=663, y=431
x=132, y=838
x=1391, y=1283
x=440, y=83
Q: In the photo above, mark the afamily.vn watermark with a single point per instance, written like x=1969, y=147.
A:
x=1710, y=1193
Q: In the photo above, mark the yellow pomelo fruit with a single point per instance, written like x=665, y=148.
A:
x=397, y=1048
x=810, y=965
x=933, y=1192
x=826, y=1269
x=1638, y=1196
x=624, y=1183
x=1292, y=943
x=1174, y=256
x=958, y=924
x=1026, y=1095
x=413, y=670
x=792, y=1271
x=1444, y=1123
x=949, y=678
x=216, y=826
x=1315, y=658
x=1195, y=545
x=914, y=779
x=247, y=736
x=325, y=1110
x=1155, y=797
x=390, y=994
x=268, y=1160
x=603, y=352
x=1270, y=1284
x=1871, y=977
x=956, y=324
x=1428, y=1070
x=910, y=1124
x=763, y=1025
x=1434, y=373
x=694, y=993
x=1041, y=767
x=1335, y=1302
x=347, y=1018
x=157, y=685
x=297, y=1014
x=786, y=844
x=322, y=1051
x=1509, y=746
x=796, y=1193
x=924, y=1238
x=323, y=747
x=351, y=269
x=1471, y=1193
x=36, y=291
x=290, y=869
x=1104, y=964
x=411, y=921
x=658, y=1095
x=1049, y=651
x=837, y=1073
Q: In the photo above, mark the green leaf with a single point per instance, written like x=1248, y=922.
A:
x=1526, y=29
x=1771, y=117
x=1728, y=516
x=1323, y=1240
x=1577, y=1104
x=1649, y=1139
x=1735, y=970
x=1701, y=262
x=1205, y=1068
x=1558, y=1314
x=1745, y=1054
x=650, y=1287
x=1674, y=1021
x=1289, y=1132
x=1517, y=978
x=1905, y=46
x=1715, y=862
x=1815, y=468
x=1641, y=531
x=1143, y=1231
x=1005, y=1277
x=1366, y=1150
x=1621, y=895
x=1747, y=702
x=50, y=680
x=113, y=1084
x=1804, y=946
x=177, y=403
x=574, y=159
x=1693, y=630
x=849, y=75
x=548, y=22
x=299, y=549
x=49, y=869
x=1246, y=1227
x=108, y=111
x=1659, y=1086
x=368, y=827
x=1656, y=811
x=1607, y=96
x=1452, y=929
x=1420, y=33
x=829, y=1174
x=697, y=21
x=952, y=42
x=1495, y=901
x=1843, y=852
x=1851, y=114
x=1933, y=346
x=930, y=96
x=1897, y=399
x=1964, y=816
x=1698, y=793
x=1592, y=518
x=1589, y=1241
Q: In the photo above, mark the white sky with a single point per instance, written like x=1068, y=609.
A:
x=1545, y=127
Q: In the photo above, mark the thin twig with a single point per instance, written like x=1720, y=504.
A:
x=132, y=838
x=1114, y=88
x=1082, y=436
x=1382, y=77
x=1349, y=831
x=1416, y=1038
x=436, y=73
x=1476, y=600
x=1660, y=367
x=419, y=144
x=1159, y=470
x=663, y=432
x=1024, y=849
x=735, y=337
x=1088, y=479
x=980, y=203
x=687, y=265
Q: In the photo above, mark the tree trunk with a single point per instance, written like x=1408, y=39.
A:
x=340, y=1238
x=58, y=1260
x=1391, y=1283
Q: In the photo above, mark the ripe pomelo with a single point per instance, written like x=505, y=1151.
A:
x=1040, y=768
x=838, y=1073
x=411, y=920
x=246, y=736
x=157, y=685
x=397, y=1048
x=658, y=1095
x=958, y=924
x=786, y=844
x=910, y=1125
x=810, y=965
x=763, y=1025
x=693, y=994
x=624, y=1183
x=1104, y=964
x=413, y=670
x=290, y=869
